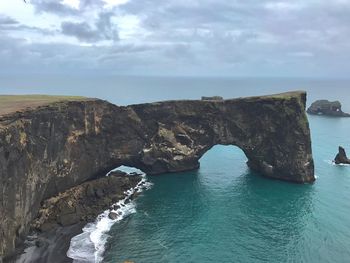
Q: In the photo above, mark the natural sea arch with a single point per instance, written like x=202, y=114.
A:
x=220, y=155
x=272, y=131
x=54, y=147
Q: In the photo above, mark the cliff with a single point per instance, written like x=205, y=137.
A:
x=328, y=108
x=52, y=147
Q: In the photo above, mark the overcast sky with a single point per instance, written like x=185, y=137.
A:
x=176, y=37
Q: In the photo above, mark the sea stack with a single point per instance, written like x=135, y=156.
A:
x=341, y=157
x=327, y=108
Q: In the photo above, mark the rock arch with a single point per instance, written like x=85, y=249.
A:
x=53, y=147
x=272, y=131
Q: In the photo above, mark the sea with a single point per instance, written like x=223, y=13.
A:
x=222, y=212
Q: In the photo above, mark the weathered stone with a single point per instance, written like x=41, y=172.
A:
x=49, y=149
x=46, y=226
x=39, y=243
x=113, y=215
x=68, y=219
x=115, y=207
x=99, y=192
x=341, y=157
x=77, y=204
x=327, y=108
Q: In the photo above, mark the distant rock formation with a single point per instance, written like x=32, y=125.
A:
x=212, y=98
x=341, y=157
x=328, y=108
x=57, y=146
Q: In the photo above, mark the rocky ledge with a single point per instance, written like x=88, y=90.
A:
x=52, y=147
x=327, y=108
x=84, y=202
x=341, y=157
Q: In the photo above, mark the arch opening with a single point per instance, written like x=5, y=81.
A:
x=221, y=154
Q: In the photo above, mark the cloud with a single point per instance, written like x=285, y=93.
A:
x=66, y=8
x=81, y=31
x=53, y=6
x=6, y=20
x=190, y=37
x=103, y=29
x=73, y=3
x=9, y=24
x=283, y=6
x=301, y=54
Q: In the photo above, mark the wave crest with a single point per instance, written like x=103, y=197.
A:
x=89, y=246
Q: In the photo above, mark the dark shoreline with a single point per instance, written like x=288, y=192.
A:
x=51, y=246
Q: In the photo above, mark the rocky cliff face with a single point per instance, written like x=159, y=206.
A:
x=83, y=203
x=52, y=148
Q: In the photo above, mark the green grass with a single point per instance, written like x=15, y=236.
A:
x=12, y=103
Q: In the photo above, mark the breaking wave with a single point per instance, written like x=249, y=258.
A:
x=89, y=246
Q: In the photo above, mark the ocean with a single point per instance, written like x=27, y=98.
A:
x=223, y=212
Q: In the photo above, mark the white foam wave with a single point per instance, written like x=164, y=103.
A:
x=89, y=246
x=127, y=169
x=331, y=162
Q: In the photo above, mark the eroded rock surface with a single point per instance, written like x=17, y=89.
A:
x=341, y=157
x=84, y=202
x=327, y=108
x=52, y=148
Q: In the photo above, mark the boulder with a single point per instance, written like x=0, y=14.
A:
x=113, y=215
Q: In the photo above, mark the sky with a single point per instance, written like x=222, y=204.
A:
x=238, y=38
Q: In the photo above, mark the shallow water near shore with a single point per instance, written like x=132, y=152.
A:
x=224, y=212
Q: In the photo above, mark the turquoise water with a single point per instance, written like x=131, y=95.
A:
x=225, y=213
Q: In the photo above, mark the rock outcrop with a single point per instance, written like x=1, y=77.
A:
x=212, y=98
x=327, y=108
x=49, y=149
x=341, y=157
x=84, y=202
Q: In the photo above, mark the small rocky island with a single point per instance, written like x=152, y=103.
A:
x=341, y=157
x=327, y=108
x=51, y=145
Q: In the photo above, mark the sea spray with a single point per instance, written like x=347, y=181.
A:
x=89, y=246
x=332, y=162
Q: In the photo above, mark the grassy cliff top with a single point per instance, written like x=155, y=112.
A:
x=12, y=103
